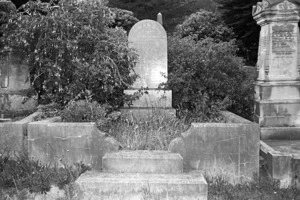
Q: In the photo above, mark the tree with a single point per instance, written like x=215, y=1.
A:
x=205, y=24
x=173, y=11
x=238, y=15
x=72, y=52
x=205, y=73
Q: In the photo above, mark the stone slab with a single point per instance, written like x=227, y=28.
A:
x=69, y=143
x=277, y=90
x=230, y=150
x=152, y=99
x=282, y=160
x=280, y=133
x=143, y=161
x=127, y=186
x=277, y=113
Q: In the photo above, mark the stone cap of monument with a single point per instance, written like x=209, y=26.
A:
x=276, y=10
x=275, y=5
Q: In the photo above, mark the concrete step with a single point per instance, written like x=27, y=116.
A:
x=143, y=161
x=94, y=185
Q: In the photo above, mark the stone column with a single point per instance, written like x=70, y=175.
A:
x=278, y=84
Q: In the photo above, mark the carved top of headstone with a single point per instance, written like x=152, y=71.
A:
x=149, y=38
x=275, y=5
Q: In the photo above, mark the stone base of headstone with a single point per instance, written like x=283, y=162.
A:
x=280, y=133
x=152, y=99
x=278, y=104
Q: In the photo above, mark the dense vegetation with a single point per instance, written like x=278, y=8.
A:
x=205, y=73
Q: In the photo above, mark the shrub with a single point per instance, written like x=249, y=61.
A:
x=123, y=18
x=71, y=49
x=206, y=77
x=83, y=111
x=205, y=24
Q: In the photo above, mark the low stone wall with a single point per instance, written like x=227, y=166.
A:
x=12, y=135
x=68, y=143
x=230, y=149
x=282, y=161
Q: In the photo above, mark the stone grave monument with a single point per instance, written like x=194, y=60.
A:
x=149, y=39
x=277, y=104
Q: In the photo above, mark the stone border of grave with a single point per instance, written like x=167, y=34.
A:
x=13, y=135
x=281, y=165
x=64, y=143
x=229, y=150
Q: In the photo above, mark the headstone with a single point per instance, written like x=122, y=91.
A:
x=149, y=39
x=278, y=86
x=14, y=87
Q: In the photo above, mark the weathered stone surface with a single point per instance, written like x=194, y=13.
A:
x=277, y=89
x=14, y=87
x=142, y=162
x=69, y=143
x=149, y=38
x=126, y=186
x=227, y=149
x=280, y=133
x=152, y=99
x=278, y=113
x=12, y=135
x=282, y=159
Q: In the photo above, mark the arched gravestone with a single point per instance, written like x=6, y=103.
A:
x=149, y=39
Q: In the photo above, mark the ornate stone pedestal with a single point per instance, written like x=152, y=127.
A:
x=278, y=87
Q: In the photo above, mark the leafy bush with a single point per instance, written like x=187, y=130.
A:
x=83, y=111
x=71, y=49
x=123, y=18
x=206, y=77
x=205, y=24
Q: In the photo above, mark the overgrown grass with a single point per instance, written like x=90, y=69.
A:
x=262, y=188
x=153, y=132
x=20, y=172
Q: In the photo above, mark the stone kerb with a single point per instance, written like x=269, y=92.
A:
x=282, y=160
x=13, y=135
x=230, y=150
x=69, y=143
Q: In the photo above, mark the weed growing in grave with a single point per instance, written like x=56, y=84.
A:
x=22, y=173
x=154, y=132
x=262, y=188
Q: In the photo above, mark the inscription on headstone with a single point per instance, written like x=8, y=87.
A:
x=284, y=54
x=149, y=38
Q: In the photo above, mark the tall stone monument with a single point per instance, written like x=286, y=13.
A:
x=149, y=39
x=277, y=106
